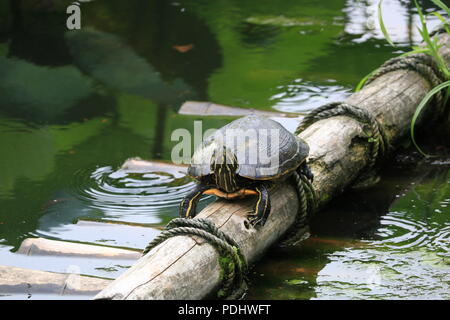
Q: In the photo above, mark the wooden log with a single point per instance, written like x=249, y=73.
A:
x=28, y=281
x=137, y=164
x=41, y=246
x=87, y=220
x=187, y=268
x=103, y=233
x=203, y=108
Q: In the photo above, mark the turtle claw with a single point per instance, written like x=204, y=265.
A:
x=254, y=219
x=256, y=222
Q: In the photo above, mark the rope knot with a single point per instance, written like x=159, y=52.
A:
x=233, y=263
x=376, y=135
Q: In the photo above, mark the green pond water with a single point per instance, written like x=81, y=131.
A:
x=74, y=105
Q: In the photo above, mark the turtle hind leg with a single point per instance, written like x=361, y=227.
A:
x=259, y=215
x=189, y=204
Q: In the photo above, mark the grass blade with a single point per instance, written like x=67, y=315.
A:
x=363, y=81
x=444, y=22
x=432, y=44
x=441, y=5
x=382, y=26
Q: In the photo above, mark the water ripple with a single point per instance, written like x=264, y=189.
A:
x=130, y=194
x=400, y=231
x=303, y=96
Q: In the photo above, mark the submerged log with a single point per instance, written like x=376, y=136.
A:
x=27, y=281
x=41, y=246
x=187, y=268
x=137, y=164
x=202, y=108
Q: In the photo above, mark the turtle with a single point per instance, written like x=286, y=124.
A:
x=245, y=157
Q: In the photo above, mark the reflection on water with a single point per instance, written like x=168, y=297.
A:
x=418, y=218
x=401, y=231
x=403, y=253
x=374, y=274
x=400, y=19
x=107, y=59
x=303, y=96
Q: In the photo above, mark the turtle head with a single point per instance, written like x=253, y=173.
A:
x=224, y=166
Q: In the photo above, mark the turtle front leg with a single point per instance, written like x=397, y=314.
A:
x=262, y=207
x=189, y=203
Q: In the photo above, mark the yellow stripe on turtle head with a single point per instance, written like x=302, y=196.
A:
x=224, y=166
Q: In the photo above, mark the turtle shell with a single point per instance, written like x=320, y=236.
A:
x=264, y=149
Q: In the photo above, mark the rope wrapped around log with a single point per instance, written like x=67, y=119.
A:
x=234, y=284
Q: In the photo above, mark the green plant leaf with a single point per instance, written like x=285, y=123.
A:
x=382, y=26
x=421, y=16
x=363, y=81
x=419, y=109
x=416, y=50
x=439, y=16
x=432, y=44
x=441, y=5
x=444, y=22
